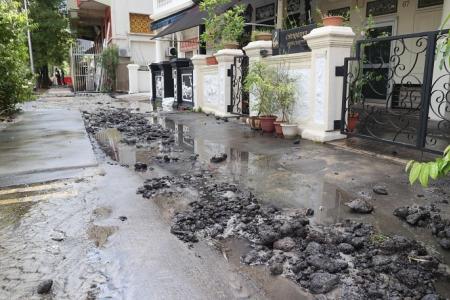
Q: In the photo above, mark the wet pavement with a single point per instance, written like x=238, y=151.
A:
x=43, y=141
x=71, y=230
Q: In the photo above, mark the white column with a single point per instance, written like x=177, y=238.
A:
x=329, y=45
x=445, y=13
x=225, y=58
x=160, y=50
x=198, y=61
x=133, y=78
x=253, y=51
x=438, y=111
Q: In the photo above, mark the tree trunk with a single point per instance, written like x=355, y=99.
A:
x=44, y=81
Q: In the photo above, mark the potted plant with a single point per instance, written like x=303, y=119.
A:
x=285, y=96
x=233, y=26
x=260, y=83
x=261, y=35
x=221, y=30
x=329, y=19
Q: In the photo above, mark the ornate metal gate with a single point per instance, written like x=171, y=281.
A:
x=86, y=68
x=396, y=92
x=239, y=98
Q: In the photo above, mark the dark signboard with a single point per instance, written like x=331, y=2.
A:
x=265, y=12
x=381, y=7
x=291, y=40
x=426, y=3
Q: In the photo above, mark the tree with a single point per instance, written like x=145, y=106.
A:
x=15, y=77
x=51, y=37
x=423, y=171
x=110, y=61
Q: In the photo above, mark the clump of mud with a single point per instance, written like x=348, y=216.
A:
x=427, y=216
x=135, y=127
x=347, y=260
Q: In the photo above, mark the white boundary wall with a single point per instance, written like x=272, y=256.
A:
x=212, y=86
x=139, y=80
x=319, y=90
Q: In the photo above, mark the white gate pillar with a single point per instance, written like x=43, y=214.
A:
x=329, y=46
x=133, y=78
x=225, y=58
x=198, y=61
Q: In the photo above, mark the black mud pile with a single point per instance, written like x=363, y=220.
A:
x=427, y=216
x=348, y=260
x=135, y=127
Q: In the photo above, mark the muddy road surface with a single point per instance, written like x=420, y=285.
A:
x=158, y=220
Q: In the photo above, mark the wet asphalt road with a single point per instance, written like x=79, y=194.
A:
x=70, y=229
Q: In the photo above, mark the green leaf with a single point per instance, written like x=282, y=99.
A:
x=408, y=166
x=445, y=21
x=446, y=170
x=424, y=175
x=447, y=150
x=434, y=170
x=415, y=172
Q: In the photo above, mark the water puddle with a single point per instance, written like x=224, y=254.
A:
x=12, y=214
x=275, y=287
x=99, y=234
x=285, y=182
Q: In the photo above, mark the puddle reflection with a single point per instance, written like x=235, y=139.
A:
x=270, y=180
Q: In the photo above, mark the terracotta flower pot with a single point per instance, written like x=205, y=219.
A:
x=267, y=123
x=352, y=121
x=290, y=131
x=263, y=36
x=278, y=130
x=333, y=21
x=211, y=60
x=231, y=45
x=255, y=123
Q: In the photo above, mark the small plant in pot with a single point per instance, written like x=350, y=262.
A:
x=285, y=94
x=233, y=27
x=329, y=19
x=260, y=83
x=261, y=35
x=285, y=97
x=221, y=30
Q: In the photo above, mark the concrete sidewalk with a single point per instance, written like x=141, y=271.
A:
x=44, y=145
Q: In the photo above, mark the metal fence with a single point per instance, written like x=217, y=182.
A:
x=239, y=97
x=395, y=91
x=87, y=72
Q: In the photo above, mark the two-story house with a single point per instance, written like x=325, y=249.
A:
x=99, y=23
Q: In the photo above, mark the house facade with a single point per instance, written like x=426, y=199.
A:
x=126, y=24
x=389, y=77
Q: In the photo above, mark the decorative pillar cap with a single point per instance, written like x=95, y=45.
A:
x=133, y=66
x=199, y=59
x=330, y=36
x=227, y=55
x=253, y=49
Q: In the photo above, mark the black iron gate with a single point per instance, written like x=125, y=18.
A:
x=239, y=97
x=396, y=92
x=187, y=87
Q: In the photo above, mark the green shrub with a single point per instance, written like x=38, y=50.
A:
x=110, y=61
x=15, y=77
x=224, y=27
x=423, y=171
x=260, y=83
x=284, y=90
